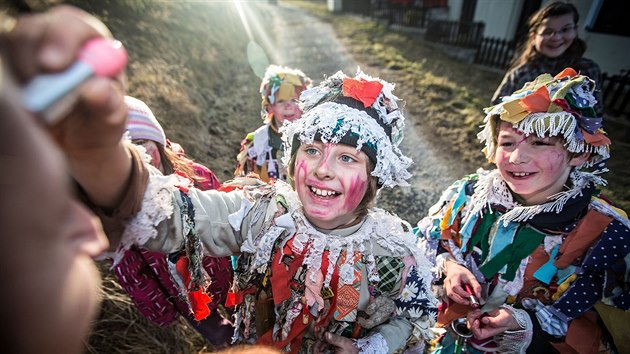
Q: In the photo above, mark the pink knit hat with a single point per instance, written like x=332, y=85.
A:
x=141, y=123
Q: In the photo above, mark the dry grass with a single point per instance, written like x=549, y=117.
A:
x=120, y=328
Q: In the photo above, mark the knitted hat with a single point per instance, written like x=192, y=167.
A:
x=553, y=106
x=141, y=123
x=281, y=83
x=359, y=111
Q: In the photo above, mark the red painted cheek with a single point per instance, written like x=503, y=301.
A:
x=355, y=193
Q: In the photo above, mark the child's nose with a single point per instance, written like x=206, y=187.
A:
x=519, y=155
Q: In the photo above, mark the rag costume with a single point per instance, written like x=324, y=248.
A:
x=517, y=77
x=261, y=150
x=292, y=280
x=556, y=267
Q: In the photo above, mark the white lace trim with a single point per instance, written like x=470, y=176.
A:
x=372, y=344
x=157, y=206
x=491, y=189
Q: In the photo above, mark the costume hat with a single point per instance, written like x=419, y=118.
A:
x=281, y=83
x=553, y=106
x=360, y=111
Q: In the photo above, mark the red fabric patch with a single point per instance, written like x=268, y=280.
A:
x=361, y=90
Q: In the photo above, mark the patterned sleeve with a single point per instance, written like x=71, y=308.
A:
x=415, y=312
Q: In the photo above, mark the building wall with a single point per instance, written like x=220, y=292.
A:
x=610, y=52
x=501, y=17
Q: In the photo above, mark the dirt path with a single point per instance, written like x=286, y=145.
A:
x=312, y=46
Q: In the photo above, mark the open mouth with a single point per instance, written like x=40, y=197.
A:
x=324, y=193
x=521, y=174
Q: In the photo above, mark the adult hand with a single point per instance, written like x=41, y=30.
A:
x=486, y=325
x=93, y=123
x=457, y=278
x=49, y=42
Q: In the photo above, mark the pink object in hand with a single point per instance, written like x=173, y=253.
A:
x=51, y=95
x=106, y=57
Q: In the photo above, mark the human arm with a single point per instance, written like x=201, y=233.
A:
x=91, y=129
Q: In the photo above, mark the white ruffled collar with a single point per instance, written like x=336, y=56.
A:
x=492, y=189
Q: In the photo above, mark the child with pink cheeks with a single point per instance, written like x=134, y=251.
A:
x=261, y=150
x=320, y=269
x=533, y=239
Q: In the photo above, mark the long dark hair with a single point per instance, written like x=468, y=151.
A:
x=527, y=49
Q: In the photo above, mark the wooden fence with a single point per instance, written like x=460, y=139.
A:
x=495, y=52
x=461, y=34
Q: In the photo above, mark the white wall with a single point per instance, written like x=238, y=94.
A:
x=610, y=52
x=500, y=16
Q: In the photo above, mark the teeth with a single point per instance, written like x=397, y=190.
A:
x=323, y=192
x=521, y=174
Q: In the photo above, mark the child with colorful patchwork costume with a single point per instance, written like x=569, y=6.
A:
x=534, y=239
x=148, y=276
x=319, y=267
x=280, y=90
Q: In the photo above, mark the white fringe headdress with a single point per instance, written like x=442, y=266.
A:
x=359, y=111
x=553, y=106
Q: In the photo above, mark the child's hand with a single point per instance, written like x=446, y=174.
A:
x=458, y=278
x=486, y=325
x=341, y=345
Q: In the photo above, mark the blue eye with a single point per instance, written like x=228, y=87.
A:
x=310, y=151
x=346, y=158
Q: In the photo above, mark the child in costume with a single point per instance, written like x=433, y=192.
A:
x=148, y=276
x=533, y=239
x=319, y=267
x=260, y=150
x=551, y=45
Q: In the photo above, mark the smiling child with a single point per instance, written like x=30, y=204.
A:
x=533, y=239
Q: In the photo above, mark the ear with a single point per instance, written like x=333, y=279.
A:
x=578, y=160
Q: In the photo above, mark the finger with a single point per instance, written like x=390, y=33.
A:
x=67, y=30
x=345, y=344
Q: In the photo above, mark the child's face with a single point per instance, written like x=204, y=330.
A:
x=555, y=35
x=331, y=180
x=285, y=110
x=534, y=168
x=152, y=150
x=51, y=283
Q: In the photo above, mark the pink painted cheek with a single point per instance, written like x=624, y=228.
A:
x=300, y=169
x=554, y=161
x=356, y=192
